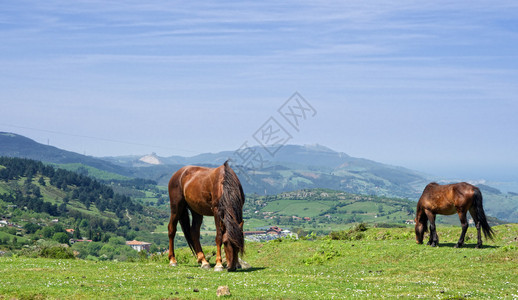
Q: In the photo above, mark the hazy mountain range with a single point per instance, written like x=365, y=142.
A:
x=292, y=167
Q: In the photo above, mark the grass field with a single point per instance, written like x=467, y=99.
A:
x=386, y=263
x=294, y=207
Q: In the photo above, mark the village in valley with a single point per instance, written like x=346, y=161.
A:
x=271, y=233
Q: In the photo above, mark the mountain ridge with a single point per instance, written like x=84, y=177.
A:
x=292, y=168
x=15, y=145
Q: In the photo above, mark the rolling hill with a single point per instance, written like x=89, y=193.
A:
x=295, y=167
x=14, y=145
x=292, y=168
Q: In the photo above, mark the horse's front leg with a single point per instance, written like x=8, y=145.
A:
x=219, y=238
x=464, y=224
x=434, y=238
x=197, y=220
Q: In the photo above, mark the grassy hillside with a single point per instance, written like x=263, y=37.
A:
x=91, y=171
x=323, y=210
x=41, y=202
x=385, y=263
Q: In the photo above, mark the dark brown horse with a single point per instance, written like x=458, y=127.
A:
x=208, y=192
x=446, y=200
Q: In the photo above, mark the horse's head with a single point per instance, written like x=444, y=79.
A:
x=232, y=251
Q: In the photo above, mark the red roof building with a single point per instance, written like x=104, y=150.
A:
x=139, y=246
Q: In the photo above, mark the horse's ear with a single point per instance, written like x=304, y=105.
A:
x=241, y=225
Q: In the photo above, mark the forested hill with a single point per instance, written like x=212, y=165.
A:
x=14, y=145
x=33, y=186
x=86, y=190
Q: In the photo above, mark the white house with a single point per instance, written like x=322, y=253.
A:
x=139, y=246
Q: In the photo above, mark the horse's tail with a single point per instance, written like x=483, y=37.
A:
x=481, y=216
x=231, y=208
x=185, y=222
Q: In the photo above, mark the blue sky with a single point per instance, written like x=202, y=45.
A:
x=429, y=86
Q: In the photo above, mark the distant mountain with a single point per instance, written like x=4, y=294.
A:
x=294, y=167
x=151, y=159
x=144, y=160
x=14, y=145
x=291, y=168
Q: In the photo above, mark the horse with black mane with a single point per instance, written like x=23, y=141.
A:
x=208, y=192
x=446, y=200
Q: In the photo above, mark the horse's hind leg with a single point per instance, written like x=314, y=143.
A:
x=473, y=213
x=177, y=204
x=197, y=220
x=434, y=238
x=172, y=232
x=464, y=224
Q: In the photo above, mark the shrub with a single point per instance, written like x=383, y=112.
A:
x=353, y=234
x=325, y=252
x=57, y=252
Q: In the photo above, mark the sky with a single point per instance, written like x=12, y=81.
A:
x=430, y=86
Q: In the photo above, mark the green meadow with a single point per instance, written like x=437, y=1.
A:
x=376, y=263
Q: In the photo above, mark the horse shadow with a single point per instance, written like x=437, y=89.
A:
x=239, y=270
x=252, y=269
x=470, y=246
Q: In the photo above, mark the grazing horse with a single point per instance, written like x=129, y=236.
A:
x=208, y=192
x=447, y=200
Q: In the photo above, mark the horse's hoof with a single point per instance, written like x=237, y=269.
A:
x=173, y=264
x=218, y=268
x=205, y=266
x=457, y=245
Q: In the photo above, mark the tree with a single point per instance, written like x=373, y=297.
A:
x=31, y=227
x=117, y=240
x=94, y=247
x=109, y=251
x=154, y=249
x=109, y=225
x=61, y=237
x=47, y=231
x=62, y=209
x=77, y=233
x=58, y=228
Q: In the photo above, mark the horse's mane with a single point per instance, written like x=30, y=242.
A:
x=231, y=208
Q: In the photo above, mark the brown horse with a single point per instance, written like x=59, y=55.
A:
x=446, y=200
x=208, y=192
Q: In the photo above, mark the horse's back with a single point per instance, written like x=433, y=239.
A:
x=196, y=185
x=447, y=199
x=465, y=188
